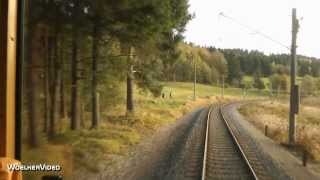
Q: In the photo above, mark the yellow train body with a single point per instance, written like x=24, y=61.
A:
x=8, y=64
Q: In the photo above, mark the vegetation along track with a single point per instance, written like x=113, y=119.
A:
x=224, y=153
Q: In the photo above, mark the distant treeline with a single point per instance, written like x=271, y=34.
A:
x=255, y=62
x=231, y=66
x=210, y=66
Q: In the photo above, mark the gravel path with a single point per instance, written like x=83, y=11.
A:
x=158, y=157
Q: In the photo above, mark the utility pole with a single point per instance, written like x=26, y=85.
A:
x=270, y=88
x=130, y=76
x=195, y=77
x=294, y=103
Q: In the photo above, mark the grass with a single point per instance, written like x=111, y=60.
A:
x=49, y=154
x=274, y=114
x=89, y=151
x=311, y=101
x=266, y=80
x=182, y=90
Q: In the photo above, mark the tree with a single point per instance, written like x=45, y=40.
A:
x=97, y=16
x=63, y=112
x=266, y=67
x=217, y=62
x=34, y=40
x=169, y=53
x=304, y=68
x=234, y=69
x=257, y=82
x=246, y=84
x=74, y=76
x=318, y=84
x=279, y=82
x=54, y=21
x=315, y=68
x=78, y=21
x=31, y=77
x=139, y=22
x=148, y=75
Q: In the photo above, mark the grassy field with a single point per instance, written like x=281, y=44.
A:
x=274, y=114
x=181, y=90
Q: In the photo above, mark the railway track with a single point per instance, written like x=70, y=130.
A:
x=224, y=157
x=223, y=151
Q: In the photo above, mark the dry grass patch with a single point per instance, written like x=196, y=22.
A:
x=275, y=116
x=311, y=101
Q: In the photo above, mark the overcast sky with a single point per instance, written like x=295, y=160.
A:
x=271, y=17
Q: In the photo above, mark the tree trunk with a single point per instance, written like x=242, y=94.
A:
x=46, y=84
x=74, y=81
x=63, y=113
x=31, y=80
x=95, y=56
x=82, y=115
x=55, y=88
x=130, y=105
x=46, y=101
x=33, y=139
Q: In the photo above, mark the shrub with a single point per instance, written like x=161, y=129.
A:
x=279, y=82
x=258, y=83
x=308, y=86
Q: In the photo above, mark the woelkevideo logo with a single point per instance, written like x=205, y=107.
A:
x=33, y=167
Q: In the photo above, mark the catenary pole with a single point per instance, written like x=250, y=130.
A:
x=293, y=93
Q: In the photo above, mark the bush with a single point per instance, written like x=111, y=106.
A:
x=156, y=89
x=258, y=83
x=279, y=82
x=318, y=84
x=246, y=84
x=308, y=86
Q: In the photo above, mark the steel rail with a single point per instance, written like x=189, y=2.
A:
x=206, y=146
x=235, y=139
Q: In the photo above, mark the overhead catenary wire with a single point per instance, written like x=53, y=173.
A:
x=253, y=30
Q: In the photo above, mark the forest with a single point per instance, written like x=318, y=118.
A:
x=233, y=65
x=79, y=54
x=86, y=49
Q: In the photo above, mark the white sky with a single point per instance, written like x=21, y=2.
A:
x=272, y=17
